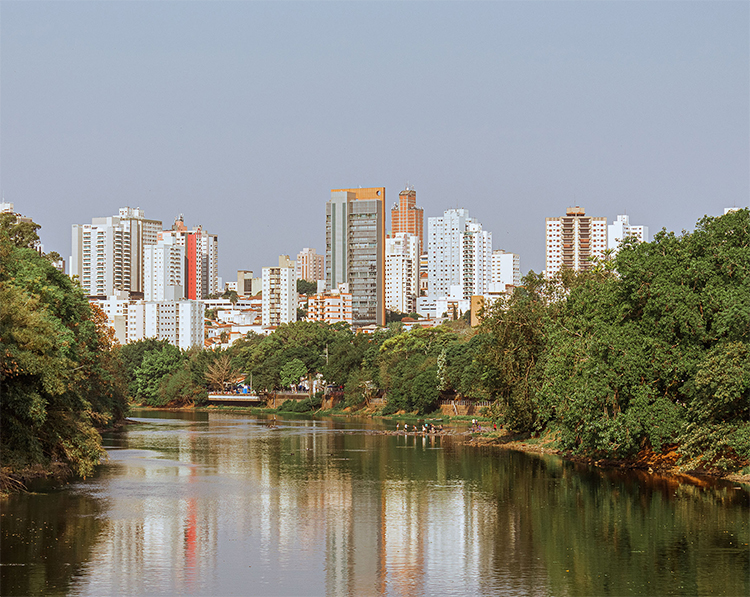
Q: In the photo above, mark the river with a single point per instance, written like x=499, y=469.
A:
x=231, y=504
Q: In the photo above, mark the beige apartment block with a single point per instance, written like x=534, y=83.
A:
x=310, y=265
x=574, y=241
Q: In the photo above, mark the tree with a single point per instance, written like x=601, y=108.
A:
x=221, y=372
x=156, y=365
x=231, y=295
x=132, y=357
x=656, y=355
x=21, y=233
x=305, y=287
x=60, y=373
x=513, y=359
x=292, y=372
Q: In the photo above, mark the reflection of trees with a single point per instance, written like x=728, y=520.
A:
x=392, y=515
x=615, y=532
x=50, y=536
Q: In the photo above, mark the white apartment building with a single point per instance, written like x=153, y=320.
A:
x=573, y=240
x=621, y=229
x=310, y=265
x=459, y=253
x=506, y=268
x=115, y=307
x=164, y=271
x=331, y=307
x=107, y=255
x=432, y=306
x=279, y=294
x=402, y=272
x=178, y=322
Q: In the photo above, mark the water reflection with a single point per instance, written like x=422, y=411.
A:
x=220, y=504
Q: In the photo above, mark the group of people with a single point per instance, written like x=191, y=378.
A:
x=426, y=428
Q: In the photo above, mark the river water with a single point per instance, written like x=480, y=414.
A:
x=231, y=504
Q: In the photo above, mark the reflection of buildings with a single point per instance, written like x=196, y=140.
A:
x=304, y=510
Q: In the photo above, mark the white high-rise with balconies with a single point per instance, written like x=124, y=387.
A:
x=459, y=253
x=279, y=293
x=402, y=272
x=164, y=271
x=621, y=229
x=107, y=255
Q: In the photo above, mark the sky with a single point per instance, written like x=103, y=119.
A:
x=244, y=115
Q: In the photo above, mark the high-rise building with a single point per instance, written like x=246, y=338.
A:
x=310, y=265
x=621, y=229
x=402, y=272
x=459, y=253
x=355, y=250
x=107, y=255
x=506, y=268
x=280, y=298
x=574, y=241
x=202, y=258
x=406, y=217
x=164, y=271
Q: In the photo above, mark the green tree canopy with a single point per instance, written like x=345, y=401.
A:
x=60, y=373
x=305, y=287
x=292, y=372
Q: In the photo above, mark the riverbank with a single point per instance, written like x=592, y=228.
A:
x=646, y=460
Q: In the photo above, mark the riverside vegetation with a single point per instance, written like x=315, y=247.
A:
x=60, y=373
x=648, y=351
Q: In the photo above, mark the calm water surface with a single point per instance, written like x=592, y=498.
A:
x=227, y=504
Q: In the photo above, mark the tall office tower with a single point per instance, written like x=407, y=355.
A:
x=202, y=255
x=621, y=229
x=402, y=272
x=406, y=217
x=164, y=271
x=107, y=255
x=279, y=303
x=459, y=253
x=355, y=250
x=506, y=268
x=310, y=265
x=574, y=240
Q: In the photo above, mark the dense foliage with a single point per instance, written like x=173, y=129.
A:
x=60, y=372
x=648, y=350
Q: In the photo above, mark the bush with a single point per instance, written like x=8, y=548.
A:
x=389, y=409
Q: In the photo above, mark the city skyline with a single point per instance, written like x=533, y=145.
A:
x=236, y=113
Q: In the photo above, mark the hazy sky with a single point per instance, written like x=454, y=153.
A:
x=244, y=115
